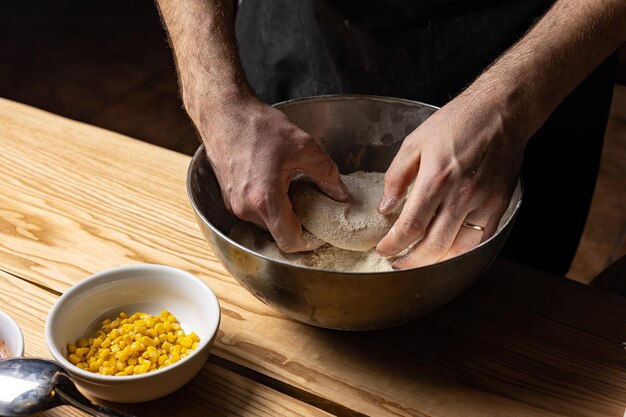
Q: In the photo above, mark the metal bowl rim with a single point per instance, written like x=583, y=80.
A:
x=346, y=97
x=291, y=265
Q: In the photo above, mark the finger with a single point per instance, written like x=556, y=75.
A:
x=416, y=215
x=286, y=229
x=399, y=176
x=494, y=220
x=438, y=240
x=468, y=238
x=323, y=171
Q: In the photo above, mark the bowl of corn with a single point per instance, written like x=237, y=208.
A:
x=134, y=333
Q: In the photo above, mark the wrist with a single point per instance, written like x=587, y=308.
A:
x=202, y=103
x=510, y=101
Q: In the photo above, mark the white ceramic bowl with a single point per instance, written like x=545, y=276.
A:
x=11, y=334
x=146, y=288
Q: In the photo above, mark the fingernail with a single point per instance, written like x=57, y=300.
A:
x=388, y=204
x=312, y=242
x=380, y=247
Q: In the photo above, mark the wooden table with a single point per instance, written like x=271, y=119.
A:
x=75, y=199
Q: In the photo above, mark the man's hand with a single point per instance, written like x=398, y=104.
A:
x=464, y=167
x=254, y=149
x=255, y=152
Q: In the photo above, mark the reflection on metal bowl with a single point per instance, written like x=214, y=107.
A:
x=360, y=133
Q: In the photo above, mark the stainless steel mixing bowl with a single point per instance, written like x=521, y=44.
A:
x=360, y=133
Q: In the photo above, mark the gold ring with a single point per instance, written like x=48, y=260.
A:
x=474, y=226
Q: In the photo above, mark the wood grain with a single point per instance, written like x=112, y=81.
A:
x=215, y=391
x=75, y=199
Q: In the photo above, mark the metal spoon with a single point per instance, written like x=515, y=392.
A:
x=31, y=385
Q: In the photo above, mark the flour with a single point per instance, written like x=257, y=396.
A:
x=327, y=257
x=354, y=224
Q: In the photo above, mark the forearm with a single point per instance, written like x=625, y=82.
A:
x=533, y=77
x=201, y=33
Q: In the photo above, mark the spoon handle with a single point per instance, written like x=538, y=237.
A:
x=70, y=395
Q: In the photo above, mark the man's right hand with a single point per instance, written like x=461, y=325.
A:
x=253, y=148
x=255, y=151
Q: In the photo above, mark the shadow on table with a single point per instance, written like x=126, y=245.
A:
x=534, y=338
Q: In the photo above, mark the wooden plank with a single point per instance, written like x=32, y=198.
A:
x=214, y=390
x=76, y=199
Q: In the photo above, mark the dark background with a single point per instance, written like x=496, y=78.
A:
x=105, y=63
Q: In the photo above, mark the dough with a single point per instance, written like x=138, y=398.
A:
x=327, y=257
x=354, y=225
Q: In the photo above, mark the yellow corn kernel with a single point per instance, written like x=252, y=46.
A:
x=73, y=358
x=120, y=365
x=82, y=351
x=167, y=325
x=82, y=342
x=159, y=328
x=147, y=341
x=107, y=370
x=104, y=353
x=171, y=337
x=187, y=341
x=106, y=343
x=124, y=354
x=93, y=366
x=121, y=374
x=162, y=359
x=123, y=315
x=71, y=348
x=132, y=361
x=195, y=345
x=152, y=333
x=143, y=368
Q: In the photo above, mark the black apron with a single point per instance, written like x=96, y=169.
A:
x=429, y=50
